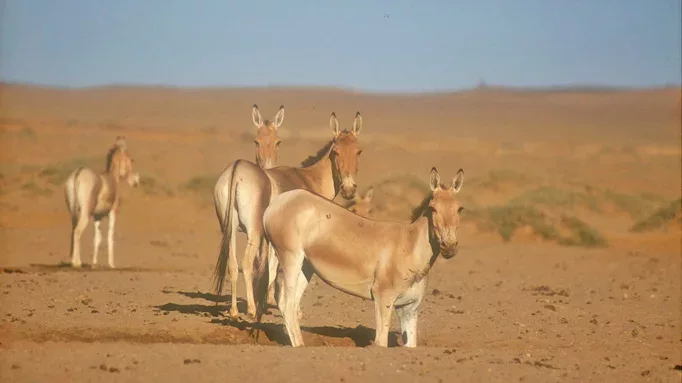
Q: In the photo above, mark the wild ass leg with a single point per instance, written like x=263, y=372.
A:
x=233, y=266
x=98, y=240
x=383, y=306
x=254, y=239
x=291, y=270
x=408, y=315
x=272, y=274
x=303, y=280
x=76, y=234
x=110, y=237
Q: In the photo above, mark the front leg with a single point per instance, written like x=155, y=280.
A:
x=408, y=315
x=383, y=306
x=110, y=237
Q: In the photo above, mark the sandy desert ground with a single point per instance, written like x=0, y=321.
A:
x=569, y=267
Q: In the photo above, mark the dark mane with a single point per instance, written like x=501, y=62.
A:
x=110, y=155
x=421, y=209
x=311, y=160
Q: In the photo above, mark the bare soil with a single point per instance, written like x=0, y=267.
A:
x=524, y=310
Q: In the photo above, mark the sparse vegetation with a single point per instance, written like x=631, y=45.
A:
x=495, y=179
x=200, y=183
x=660, y=217
x=507, y=219
x=637, y=206
x=581, y=234
x=57, y=173
x=152, y=186
x=33, y=189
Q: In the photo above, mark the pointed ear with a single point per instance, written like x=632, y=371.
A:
x=255, y=115
x=334, y=124
x=369, y=194
x=434, y=181
x=279, y=117
x=357, y=124
x=458, y=181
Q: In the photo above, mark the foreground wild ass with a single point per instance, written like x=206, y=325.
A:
x=241, y=204
x=387, y=262
x=89, y=194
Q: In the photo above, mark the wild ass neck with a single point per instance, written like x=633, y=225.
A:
x=426, y=246
x=324, y=173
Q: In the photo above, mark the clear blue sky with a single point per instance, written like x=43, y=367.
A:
x=388, y=45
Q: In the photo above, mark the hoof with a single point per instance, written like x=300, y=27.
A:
x=111, y=266
x=76, y=265
x=234, y=314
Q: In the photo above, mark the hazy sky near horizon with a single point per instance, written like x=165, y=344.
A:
x=376, y=45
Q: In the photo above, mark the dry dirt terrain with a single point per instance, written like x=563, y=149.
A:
x=569, y=266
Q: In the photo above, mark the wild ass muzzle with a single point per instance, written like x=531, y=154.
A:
x=97, y=195
x=387, y=262
x=244, y=190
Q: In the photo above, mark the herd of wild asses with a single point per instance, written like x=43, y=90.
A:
x=295, y=230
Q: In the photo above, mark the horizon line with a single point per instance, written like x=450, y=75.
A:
x=575, y=87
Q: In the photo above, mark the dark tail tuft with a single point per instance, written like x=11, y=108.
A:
x=224, y=255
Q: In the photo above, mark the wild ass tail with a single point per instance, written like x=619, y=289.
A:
x=224, y=255
x=72, y=198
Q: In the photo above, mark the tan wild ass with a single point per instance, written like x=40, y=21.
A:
x=267, y=141
x=241, y=204
x=89, y=194
x=387, y=262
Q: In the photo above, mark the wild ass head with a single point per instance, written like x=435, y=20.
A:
x=362, y=205
x=267, y=141
x=345, y=155
x=120, y=163
x=444, y=209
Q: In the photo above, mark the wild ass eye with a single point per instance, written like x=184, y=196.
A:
x=256, y=142
x=278, y=142
x=359, y=152
x=460, y=209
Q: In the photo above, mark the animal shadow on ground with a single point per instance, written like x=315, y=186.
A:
x=215, y=309
x=85, y=267
x=361, y=336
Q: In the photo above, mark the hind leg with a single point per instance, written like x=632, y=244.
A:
x=97, y=241
x=76, y=235
x=291, y=269
x=254, y=238
x=303, y=279
x=110, y=237
x=272, y=275
x=233, y=267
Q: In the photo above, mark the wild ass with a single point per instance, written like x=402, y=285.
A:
x=267, y=141
x=362, y=205
x=241, y=204
x=387, y=262
x=89, y=194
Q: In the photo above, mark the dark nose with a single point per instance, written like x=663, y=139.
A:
x=354, y=189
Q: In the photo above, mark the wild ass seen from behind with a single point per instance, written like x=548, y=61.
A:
x=89, y=194
x=241, y=204
x=387, y=262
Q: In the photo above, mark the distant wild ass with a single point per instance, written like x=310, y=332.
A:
x=362, y=205
x=387, y=262
x=92, y=195
x=243, y=192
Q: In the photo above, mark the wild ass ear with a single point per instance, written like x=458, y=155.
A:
x=357, y=124
x=334, y=124
x=434, y=181
x=279, y=117
x=458, y=181
x=368, y=194
x=255, y=115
